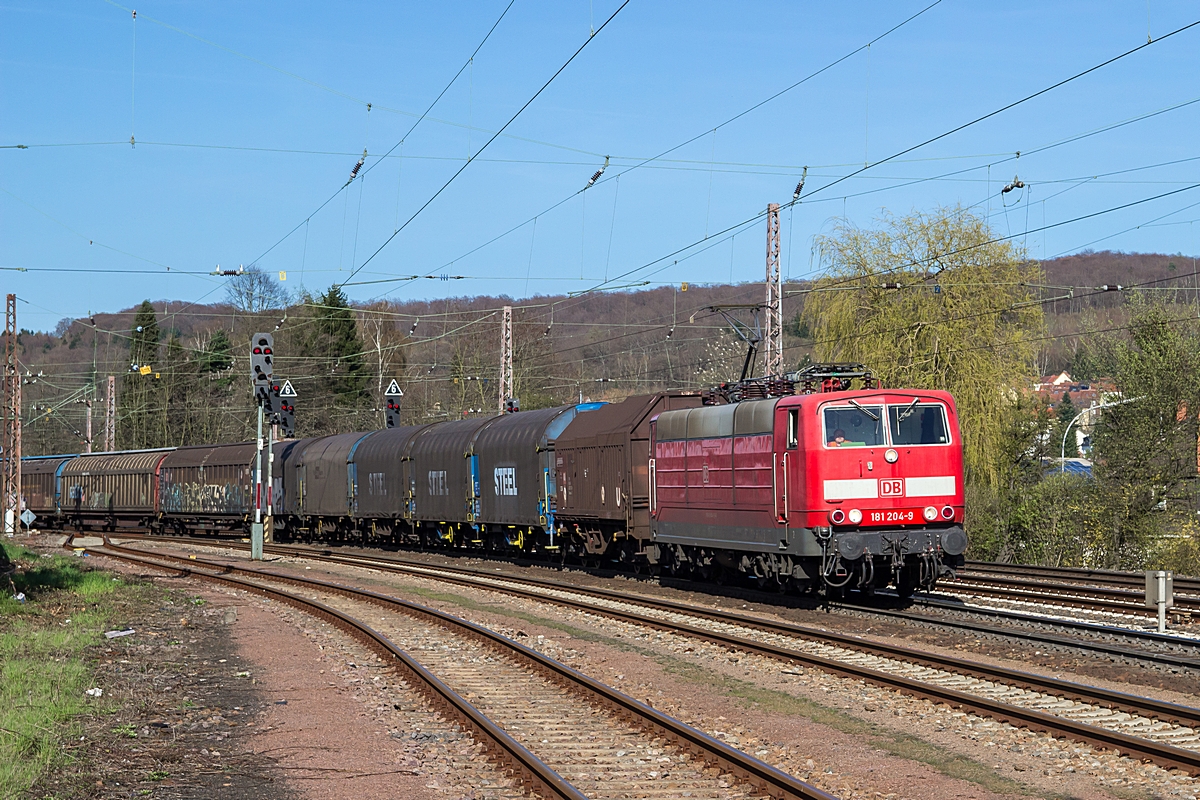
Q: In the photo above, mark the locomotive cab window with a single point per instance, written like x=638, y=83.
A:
x=918, y=423
x=793, y=428
x=854, y=426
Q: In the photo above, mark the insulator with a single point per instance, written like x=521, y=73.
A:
x=800, y=185
x=599, y=172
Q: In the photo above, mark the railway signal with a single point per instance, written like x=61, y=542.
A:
x=392, y=404
x=262, y=373
x=262, y=359
x=283, y=406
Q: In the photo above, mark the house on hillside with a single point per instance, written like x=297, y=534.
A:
x=1082, y=396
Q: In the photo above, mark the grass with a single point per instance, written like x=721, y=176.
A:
x=43, y=669
x=754, y=697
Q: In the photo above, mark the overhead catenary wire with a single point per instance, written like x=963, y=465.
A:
x=491, y=139
x=408, y=133
x=1011, y=105
x=944, y=134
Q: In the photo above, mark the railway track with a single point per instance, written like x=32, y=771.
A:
x=1128, y=602
x=563, y=734
x=1089, y=637
x=1106, y=590
x=1095, y=577
x=1165, y=733
x=1100, y=640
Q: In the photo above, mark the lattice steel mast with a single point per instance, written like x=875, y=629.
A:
x=506, y=359
x=12, y=421
x=773, y=335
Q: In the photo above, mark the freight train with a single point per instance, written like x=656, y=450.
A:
x=819, y=490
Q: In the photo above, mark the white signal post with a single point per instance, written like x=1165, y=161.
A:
x=256, y=530
x=1160, y=592
x=261, y=368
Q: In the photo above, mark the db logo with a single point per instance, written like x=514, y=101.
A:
x=891, y=487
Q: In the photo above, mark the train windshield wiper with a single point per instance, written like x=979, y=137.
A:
x=907, y=412
x=874, y=417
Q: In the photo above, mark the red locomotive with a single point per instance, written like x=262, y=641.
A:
x=836, y=488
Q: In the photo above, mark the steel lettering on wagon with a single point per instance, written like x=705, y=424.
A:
x=505, y=480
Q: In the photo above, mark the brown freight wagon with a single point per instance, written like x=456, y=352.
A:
x=602, y=461
x=39, y=486
x=111, y=490
x=210, y=487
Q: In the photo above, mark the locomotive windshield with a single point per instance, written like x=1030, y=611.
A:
x=918, y=423
x=858, y=426
x=913, y=423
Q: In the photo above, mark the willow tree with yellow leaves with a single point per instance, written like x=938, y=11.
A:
x=933, y=301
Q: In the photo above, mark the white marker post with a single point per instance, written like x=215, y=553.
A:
x=1160, y=593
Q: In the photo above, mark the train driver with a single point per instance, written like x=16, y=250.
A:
x=838, y=438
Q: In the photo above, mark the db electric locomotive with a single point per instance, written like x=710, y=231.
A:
x=820, y=490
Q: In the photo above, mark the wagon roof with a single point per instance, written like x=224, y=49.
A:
x=527, y=429
x=241, y=454
x=42, y=465
x=137, y=461
x=610, y=424
x=389, y=442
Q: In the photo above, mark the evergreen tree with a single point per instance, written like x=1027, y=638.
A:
x=217, y=356
x=177, y=384
x=140, y=409
x=321, y=350
x=333, y=338
x=1065, y=413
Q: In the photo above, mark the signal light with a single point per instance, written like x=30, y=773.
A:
x=855, y=516
x=930, y=513
x=837, y=516
x=948, y=512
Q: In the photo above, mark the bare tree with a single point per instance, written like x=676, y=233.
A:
x=255, y=290
x=382, y=345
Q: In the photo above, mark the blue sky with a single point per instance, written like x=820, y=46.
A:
x=233, y=152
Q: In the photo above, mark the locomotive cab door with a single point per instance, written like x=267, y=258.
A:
x=787, y=438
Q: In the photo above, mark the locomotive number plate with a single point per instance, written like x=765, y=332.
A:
x=892, y=516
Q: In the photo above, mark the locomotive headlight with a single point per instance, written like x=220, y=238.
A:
x=855, y=516
x=930, y=513
x=891, y=456
x=837, y=516
x=947, y=512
